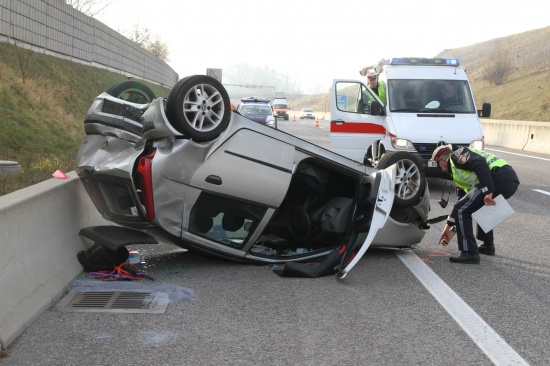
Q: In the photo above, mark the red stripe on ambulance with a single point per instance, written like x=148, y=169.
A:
x=357, y=127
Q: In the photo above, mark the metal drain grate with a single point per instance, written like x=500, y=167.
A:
x=114, y=302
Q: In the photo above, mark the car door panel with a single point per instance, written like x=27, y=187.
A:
x=261, y=172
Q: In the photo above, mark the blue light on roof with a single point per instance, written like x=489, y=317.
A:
x=424, y=61
x=255, y=100
x=399, y=60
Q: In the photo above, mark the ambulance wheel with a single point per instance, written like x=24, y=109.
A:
x=411, y=177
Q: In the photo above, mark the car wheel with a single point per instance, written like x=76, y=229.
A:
x=198, y=107
x=411, y=178
x=132, y=91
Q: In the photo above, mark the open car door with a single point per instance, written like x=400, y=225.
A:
x=354, y=125
x=369, y=217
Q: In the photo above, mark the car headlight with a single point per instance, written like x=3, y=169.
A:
x=478, y=144
x=401, y=144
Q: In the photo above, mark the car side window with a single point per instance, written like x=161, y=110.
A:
x=225, y=220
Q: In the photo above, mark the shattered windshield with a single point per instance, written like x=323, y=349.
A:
x=411, y=96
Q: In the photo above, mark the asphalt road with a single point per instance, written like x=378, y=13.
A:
x=396, y=307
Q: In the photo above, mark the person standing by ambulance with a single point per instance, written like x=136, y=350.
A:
x=482, y=176
x=376, y=85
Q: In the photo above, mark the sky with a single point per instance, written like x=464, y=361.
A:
x=315, y=42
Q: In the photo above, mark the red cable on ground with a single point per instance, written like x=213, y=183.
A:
x=124, y=271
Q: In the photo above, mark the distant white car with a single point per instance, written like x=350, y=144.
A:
x=307, y=113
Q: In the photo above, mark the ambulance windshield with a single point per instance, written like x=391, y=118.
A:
x=430, y=96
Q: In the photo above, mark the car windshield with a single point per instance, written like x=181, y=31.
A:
x=280, y=106
x=430, y=96
x=307, y=110
x=247, y=110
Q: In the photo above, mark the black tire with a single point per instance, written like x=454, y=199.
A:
x=411, y=177
x=132, y=91
x=199, y=107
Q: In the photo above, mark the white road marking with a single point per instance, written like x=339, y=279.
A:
x=496, y=348
x=527, y=156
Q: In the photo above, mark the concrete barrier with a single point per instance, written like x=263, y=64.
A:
x=8, y=168
x=39, y=241
x=520, y=135
x=539, y=137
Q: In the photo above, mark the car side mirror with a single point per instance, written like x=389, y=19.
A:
x=376, y=109
x=485, y=110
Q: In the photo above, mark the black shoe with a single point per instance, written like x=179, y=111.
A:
x=487, y=249
x=465, y=257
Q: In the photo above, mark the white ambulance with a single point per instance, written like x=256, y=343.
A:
x=429, y=103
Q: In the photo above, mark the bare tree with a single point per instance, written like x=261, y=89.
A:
x=23, y=56
x=498, y=65
x=89, y=7
x=159, y=49
x=142, y=36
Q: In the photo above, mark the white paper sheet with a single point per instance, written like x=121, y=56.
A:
x=488, y=217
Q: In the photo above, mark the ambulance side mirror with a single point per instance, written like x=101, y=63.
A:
x=376, y=109
x=485, y=110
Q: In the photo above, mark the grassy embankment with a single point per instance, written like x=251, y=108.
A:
x=42, y=114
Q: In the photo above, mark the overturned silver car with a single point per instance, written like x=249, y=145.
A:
x=188, y=170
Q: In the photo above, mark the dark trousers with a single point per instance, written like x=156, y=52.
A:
x=506, y=184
